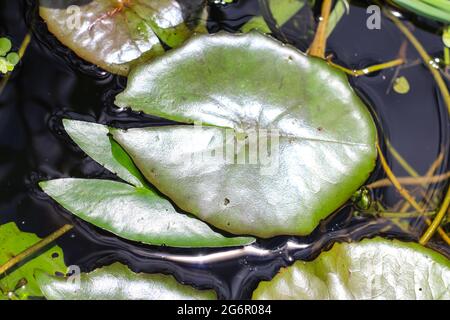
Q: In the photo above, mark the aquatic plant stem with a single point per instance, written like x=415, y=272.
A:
x=440, y=231
x=34, y=248
x=368, y=70
x=405, y=165
x=396, y=183
x=446, y=95
x=318, y=46
x=431, y=171
x=446, y=56
x=437, y=222
x=416, y=179
x=424, y=55
x=412, y=181
x=404, y=215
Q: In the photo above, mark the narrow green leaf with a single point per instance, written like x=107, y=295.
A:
x=437, y=11
x=136, y=214
x=375, y=269
x=94, y=139
x=118, y=282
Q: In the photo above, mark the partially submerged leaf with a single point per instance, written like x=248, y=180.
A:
x=137, y=214
x=118, y=282
x=19, y=282
x=281, y=10
x=371, y=269
x=323, y=136
x=117, y=34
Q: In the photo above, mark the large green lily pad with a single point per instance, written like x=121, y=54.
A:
x=116, y=34
x=118, y=282
x=134, y=212
x=371, y=269
x=322, y=137
x=19, y=282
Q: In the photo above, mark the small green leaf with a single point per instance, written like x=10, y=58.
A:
x=13, y=58
x=5, y=46
x=19, y=282
x=401, y=85
x=118, y=282
x=438, y=10
x=137, y=214
x=322, y=134
x=375, y=269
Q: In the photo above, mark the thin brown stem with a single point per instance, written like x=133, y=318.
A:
x=431, y=171
x=435, y=224
x=368, y=70
x=318, y=46
x=405, y=194
x=412, y=181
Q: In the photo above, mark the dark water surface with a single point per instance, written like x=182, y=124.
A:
x=52, y=83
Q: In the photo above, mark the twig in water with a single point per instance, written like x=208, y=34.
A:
x=412, y=181
x=368, y=70
x=34, y=248
x=318, y=46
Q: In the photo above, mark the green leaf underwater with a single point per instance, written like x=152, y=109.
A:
x=118, y=282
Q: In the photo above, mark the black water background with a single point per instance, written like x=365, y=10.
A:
x=52, y=83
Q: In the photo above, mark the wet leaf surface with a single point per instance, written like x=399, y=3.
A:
x=322, y=134
x=372, y=269
x=118, y=282
x=117, y=34
x=137, y=214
